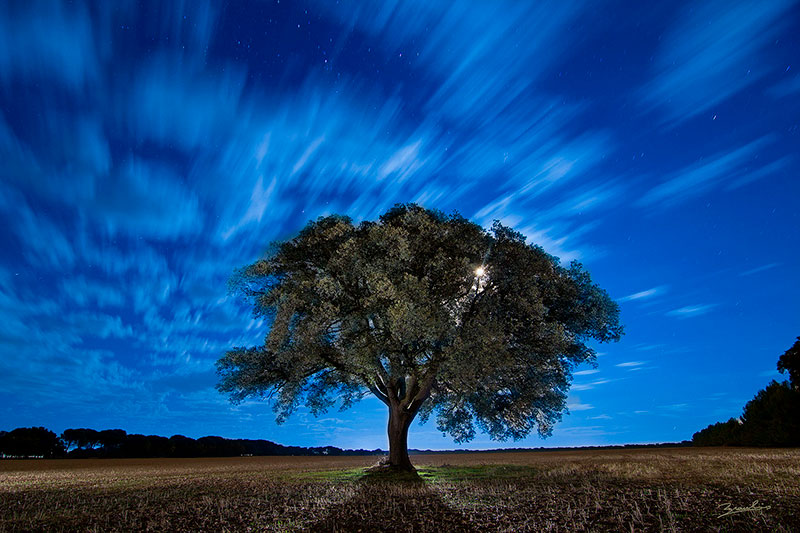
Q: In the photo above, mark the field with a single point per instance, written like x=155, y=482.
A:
x=682, y=489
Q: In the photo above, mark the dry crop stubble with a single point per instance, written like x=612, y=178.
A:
x=682, y=489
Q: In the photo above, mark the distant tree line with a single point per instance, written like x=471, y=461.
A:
x=117, y=443
x=31, y=442
x=681, y=444
x=40, y=442
x=771, y=418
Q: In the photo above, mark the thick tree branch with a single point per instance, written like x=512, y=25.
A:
x=422, y=394
x=382, y=397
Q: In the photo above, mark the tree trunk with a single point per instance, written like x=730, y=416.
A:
x=399, y=422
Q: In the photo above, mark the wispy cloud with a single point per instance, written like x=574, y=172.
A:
x=715, y=50
x=537, y=194
x=643, y=295
x=599, y=417
x=481, y=75
x=170, y=102
x=759, y=269
x=585, y=372
x=787, y=88
x=554, y=245
x=68, y=54
x=728, y=166
x=588, y=386
x=577, y=406
x=690, y=311
x=580, y=434
x=648, y=347
x=86, y=292
x=146, y=198
x=630, y=364
x=46, y=244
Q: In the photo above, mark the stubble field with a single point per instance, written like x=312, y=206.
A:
x=682, y=489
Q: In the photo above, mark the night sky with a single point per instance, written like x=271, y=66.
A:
x=147, y=149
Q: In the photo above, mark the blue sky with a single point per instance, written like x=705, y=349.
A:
x=150, y=148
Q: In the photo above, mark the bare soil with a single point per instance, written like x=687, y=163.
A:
x=682, y=489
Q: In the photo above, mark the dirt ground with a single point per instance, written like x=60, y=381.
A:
x=680, y=489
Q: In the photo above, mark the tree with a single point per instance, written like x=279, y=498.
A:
x=83, y=438
x=181, y=446
x=137, y=445
x=790, y=362
x=720, y=434
x=772, y=417
x=31, y=442
x=111, y=439
x=71, y=437
x=430, y=313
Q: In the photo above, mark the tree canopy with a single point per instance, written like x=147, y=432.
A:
x=30, y=442
x=430, y=313
x=771, y=418
x=790, y=362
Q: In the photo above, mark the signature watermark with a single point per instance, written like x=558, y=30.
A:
x=730, y=509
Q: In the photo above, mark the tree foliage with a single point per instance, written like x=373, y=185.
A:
x=790, y=362
x=720, y=434
x=31, y=442
x=395, y=308
x=111, y=439
x=83, y=438
x=41, y=442
x=771, y=418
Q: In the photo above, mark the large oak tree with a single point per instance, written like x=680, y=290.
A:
x=430, y=313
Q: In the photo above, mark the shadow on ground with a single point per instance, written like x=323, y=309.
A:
x=393, y=502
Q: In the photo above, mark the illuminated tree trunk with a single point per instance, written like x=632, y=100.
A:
x=399, y=422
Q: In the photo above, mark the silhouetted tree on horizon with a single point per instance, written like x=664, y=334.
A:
x=720, y=434
x=83, y=438
x=790, y=362
x=28, y=442
x=111, y=439
x=428, y=312
x=771, y=418
x=31, y=442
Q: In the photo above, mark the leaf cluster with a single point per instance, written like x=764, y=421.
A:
x=790, y=362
